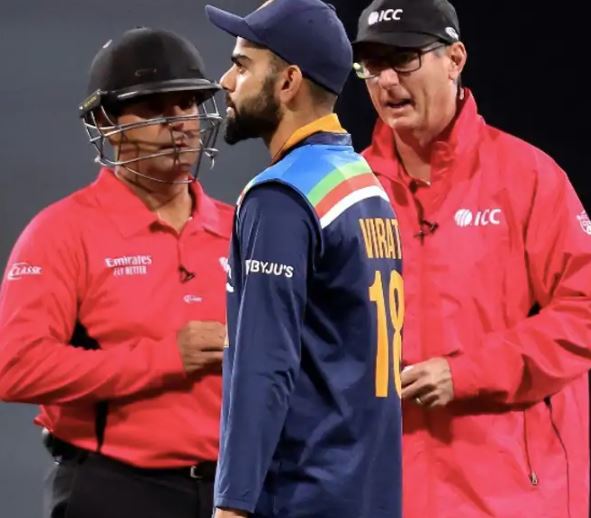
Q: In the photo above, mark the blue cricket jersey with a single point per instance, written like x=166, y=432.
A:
x=311, y=423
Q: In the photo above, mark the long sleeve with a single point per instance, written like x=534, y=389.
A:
x=541, y=354
x=276, y=238
x=39, y=302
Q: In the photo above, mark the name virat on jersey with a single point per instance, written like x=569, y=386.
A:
x=381, y=237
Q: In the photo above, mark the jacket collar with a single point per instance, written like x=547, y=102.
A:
x=455, y=144
x=131, y=215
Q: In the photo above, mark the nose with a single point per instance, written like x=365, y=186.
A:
x=227, y=81
x=190, y=123
x=387, y=78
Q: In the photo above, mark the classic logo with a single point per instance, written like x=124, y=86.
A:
x=585, y=222
x=129, y=265
x=481, y=218
x=19, y=270
x=386, y=15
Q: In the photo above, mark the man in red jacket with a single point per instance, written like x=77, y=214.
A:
x=497, y=280
x=112, y=305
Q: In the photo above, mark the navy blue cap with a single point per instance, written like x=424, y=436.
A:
x=306, y=33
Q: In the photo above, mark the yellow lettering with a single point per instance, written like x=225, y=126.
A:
x=382, y=246
x=366, y=238
x=397, y=239
x=372, y=229
x=390, y=252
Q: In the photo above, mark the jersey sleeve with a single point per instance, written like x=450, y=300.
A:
x=542, y=353
x=39, y=298
x=277, y=236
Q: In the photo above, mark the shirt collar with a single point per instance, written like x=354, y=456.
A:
x=328, y=124
x=131, y=215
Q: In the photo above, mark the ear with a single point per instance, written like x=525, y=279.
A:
x=458, y=57
x=290, y=83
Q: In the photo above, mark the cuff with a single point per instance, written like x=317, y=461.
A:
x=463, y=376
x=166, y=360
x=234, y=503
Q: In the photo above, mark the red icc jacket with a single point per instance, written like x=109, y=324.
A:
x=99, y=260
x=502, y=232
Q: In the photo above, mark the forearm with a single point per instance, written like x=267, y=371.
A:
x=44, y=371
x=530, y=361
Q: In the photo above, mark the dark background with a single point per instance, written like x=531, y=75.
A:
x=525, y=67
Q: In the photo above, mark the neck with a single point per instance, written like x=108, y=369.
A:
x=290, y=123
x=172, y=203
x=415, y=147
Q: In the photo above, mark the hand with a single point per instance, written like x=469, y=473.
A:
x=428, y=383
x=229, y=513
x=201, y=345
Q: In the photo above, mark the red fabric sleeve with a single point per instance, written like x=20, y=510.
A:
x=541, y=354
x=39, y=298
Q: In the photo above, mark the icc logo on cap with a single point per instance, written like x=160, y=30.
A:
x=386, y=15
x=452, y=32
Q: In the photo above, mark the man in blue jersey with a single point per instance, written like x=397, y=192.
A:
x=311, y=410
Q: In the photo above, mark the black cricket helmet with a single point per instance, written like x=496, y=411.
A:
x=145, y=61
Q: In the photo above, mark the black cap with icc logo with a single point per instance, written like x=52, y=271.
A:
x=408, y=23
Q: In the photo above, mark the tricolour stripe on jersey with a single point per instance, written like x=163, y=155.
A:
x=334, y=178
x=349, y=200
x=336, y=191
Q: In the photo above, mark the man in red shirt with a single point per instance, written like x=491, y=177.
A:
x=497, y=281
x=112, y=306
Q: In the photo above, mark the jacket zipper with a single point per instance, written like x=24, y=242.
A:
x=532, y=475
x=548, y=402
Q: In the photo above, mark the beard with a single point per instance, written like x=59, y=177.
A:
x=258, y=117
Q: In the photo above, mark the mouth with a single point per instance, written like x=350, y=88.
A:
x=398, y=105
x=230, y=108
x=177, y=146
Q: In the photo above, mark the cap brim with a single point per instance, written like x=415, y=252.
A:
x=398, y=39
x=231, y=23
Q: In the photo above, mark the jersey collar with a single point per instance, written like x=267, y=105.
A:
x=327, y=124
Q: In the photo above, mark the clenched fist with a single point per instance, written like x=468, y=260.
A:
x=201, y=345
x=428, y=383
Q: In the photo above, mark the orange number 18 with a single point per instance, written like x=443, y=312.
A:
x=395, y=308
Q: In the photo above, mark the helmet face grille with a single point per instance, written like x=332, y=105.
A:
x=99, y=133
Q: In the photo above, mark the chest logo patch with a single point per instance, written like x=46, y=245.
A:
x=129, y=265
x=482, y=218
x=585, y=222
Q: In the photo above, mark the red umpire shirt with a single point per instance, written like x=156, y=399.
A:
x=101, y=261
